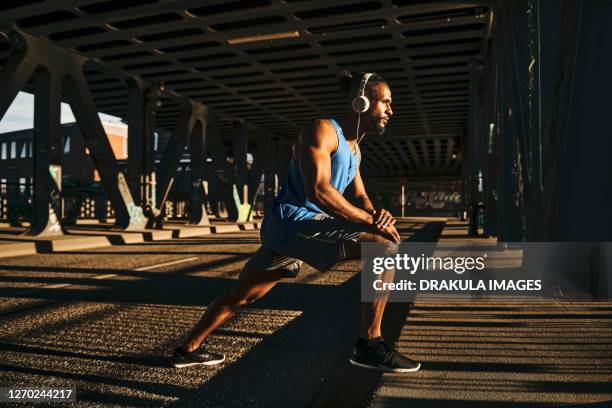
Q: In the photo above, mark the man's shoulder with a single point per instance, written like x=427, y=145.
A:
x=319, y=131
x=323, y=124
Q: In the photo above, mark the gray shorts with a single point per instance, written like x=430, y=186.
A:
x=321, y=242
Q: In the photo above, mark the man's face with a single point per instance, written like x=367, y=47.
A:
x=380, y=108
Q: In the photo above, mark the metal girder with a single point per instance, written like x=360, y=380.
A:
x=192, y=122
x=128, y=215
x=270, y=178
x=239, y=151
x=140, y=131
x=64, y=70
x=509, y=216
x=187, y=44
x=197, y=209
x=223, y=170
x=576, y=143
x=491, y=139
x=46, y=202
x=16, y=71
x=261, y=156
x=474, y=162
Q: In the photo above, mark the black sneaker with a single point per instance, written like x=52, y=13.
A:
x=380, y=356
x=199, y=356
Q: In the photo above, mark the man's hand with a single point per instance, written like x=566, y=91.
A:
x=391, y=234
x=382, y=218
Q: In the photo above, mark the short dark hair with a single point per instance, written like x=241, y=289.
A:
x=349, y=81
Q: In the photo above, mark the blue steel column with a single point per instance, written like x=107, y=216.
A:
x=510, y=225
x=239, y=151
x=67, y=69
x=47, y=139
x=15, y=71
x=223, y=170
x=170, y=161
x=214, y=190
x=140, y=131
x=197, y=213
x=46, y=202
x=270, y=176
x=517, y=65
x=491, y=127
x=581, y=147
x=128, y=214
x=473, y=164
x=569, y=147
x=259, y=162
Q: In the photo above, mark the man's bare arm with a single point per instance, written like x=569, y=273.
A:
x=382, y=217
x=314, y=150
x=361, y=197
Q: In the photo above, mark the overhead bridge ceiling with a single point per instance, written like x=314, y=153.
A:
x=275, y=63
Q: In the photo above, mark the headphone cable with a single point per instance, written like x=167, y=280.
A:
x=358, y=123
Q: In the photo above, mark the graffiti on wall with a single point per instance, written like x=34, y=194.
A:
x=437, y=200
x=436, y=196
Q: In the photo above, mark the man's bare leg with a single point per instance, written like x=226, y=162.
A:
x=372, y=312
x=371, y=318
x=251, y=285
x=370, y=350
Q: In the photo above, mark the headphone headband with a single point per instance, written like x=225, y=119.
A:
x=363, y=83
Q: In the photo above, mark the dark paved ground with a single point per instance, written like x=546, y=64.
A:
x=105, y=321
x=96, y=320
x=510, y=353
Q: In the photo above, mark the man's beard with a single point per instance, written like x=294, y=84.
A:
x=378, y=127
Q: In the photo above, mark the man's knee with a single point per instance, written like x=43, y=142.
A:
x=388, y=245
x=234, y=300
x=248, y=289
x=371, y=237
x=230, y=299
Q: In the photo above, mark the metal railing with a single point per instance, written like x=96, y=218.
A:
x=86, y=203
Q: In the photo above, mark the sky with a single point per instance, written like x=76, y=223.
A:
x=21, y=114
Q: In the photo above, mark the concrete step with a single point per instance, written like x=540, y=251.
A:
x=97, y=236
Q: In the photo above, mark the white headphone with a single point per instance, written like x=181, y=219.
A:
x=360, y=102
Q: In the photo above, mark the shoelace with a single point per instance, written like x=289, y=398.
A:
x=391, y=355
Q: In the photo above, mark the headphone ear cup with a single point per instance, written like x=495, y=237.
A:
x=360, y=104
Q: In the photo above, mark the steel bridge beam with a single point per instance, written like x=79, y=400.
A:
x=61, y=70
x=239, y=150
x=197, y=208
x=223, y=170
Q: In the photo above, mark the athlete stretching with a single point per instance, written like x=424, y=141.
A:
x=311, y=221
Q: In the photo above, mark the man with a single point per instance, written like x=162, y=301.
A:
x=311, y=221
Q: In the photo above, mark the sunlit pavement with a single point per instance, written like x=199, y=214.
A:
x=105, y=321
x=515, y=353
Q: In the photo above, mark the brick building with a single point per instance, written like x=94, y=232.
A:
x=16, y=161
x=16, y=150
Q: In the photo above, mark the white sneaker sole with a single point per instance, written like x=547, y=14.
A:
x=386, y=369
x=207, y=363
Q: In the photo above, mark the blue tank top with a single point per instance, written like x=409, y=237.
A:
x=292, y=203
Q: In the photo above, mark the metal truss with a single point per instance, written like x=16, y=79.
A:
x=57, y=71
x=213, y=53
